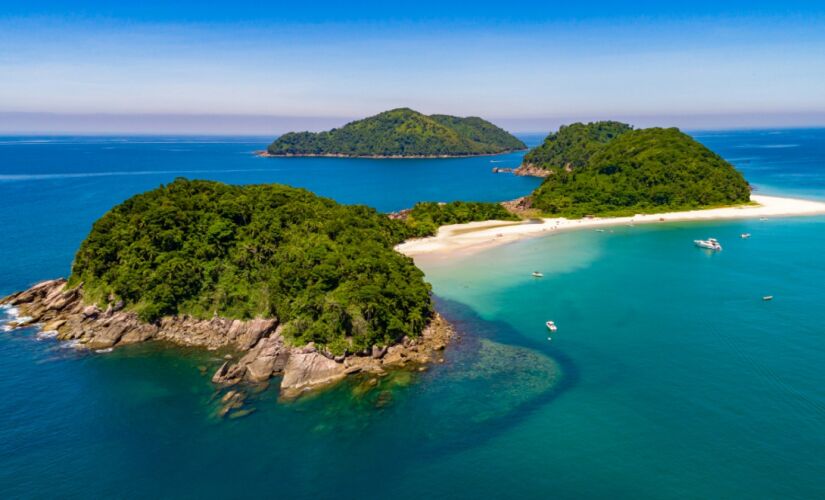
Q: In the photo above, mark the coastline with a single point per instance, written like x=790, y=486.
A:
x=258, y=349
x=266, y=154
x=463, y=239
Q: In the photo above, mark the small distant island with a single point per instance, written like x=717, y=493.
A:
x=401, y=133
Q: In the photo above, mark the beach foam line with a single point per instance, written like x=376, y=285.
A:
x=476, y=236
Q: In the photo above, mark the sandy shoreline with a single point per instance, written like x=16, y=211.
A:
x=476, y=236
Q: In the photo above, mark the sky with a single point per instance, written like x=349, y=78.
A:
x=269, y=67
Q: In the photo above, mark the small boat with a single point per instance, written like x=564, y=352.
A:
x=745, y=236
x=551, y=326
x=537, y=274
x=599, y=230
x=763, y=219
x=767, y=297
x=709, y=244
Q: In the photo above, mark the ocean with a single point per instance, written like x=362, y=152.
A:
x=669, y=376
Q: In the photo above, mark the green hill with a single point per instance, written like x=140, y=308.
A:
x=326, y=271
x=649, y=170
x=401, y=133
x=573, y=144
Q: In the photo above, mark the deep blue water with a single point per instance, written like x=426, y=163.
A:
x=669, y=377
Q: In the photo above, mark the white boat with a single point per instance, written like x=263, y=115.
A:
x=537, y=274
x=767, y=297
x=710, y=244
x=745, y=235
x=551, y=326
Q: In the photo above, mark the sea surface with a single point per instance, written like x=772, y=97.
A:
x=669, y=376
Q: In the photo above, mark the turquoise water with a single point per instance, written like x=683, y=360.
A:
x=669, y=377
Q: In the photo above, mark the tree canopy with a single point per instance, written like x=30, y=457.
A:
x=573, y=144
x=642, y=171
x=401, y=132
x=425, y=218
x=327, y=271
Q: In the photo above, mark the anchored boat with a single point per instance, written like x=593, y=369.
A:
x=551, y=326
x=709, y=244
x=537, y=274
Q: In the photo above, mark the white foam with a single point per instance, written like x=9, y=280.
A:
x=46, y=334
x=71, y=344
x=11, y=311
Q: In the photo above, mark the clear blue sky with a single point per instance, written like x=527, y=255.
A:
x=266, y=67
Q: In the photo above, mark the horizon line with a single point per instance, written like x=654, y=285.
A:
x=14, y=123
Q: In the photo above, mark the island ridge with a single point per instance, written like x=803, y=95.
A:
x=401, y=133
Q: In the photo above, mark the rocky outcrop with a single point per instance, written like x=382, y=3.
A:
x=63, y=310
x=60, y=309
x=266, y=359
x=309, y=370
x=520, y=206
x=400, y=215
x=530, y=170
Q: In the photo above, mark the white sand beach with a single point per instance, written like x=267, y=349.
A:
x=476, y=236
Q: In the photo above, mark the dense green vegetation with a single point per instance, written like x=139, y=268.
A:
x=327, y=271
x=643, y=171
x=574, y=144
x=401, y=132
x=425, y=218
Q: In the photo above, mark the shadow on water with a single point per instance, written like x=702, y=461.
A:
x=485, y=388
x=490, y=383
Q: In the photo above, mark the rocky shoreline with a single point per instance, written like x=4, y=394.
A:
x=266, y=154
x=530, y=170
x=62, y=312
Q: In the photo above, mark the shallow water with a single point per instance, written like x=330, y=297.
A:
x=669, y=377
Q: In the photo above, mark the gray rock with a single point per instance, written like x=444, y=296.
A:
x=378, y=352
x=90, y=312
x=305, y=371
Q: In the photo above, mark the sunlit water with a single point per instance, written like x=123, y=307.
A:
x=669, y=376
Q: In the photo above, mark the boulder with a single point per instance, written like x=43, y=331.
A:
x=136, y=334
x=252, y=331
x=228, y=374
x=305, y=371
x=90, y=312
x=53, y=326
x=396, y=355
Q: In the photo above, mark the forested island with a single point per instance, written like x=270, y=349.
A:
x=401, y=133
x=609, y=169
x=303, y=286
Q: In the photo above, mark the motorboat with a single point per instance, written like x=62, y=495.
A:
x=767, y=297
x=537, y=274
x=551, y=326
x=709, y=244
x=745, y=236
